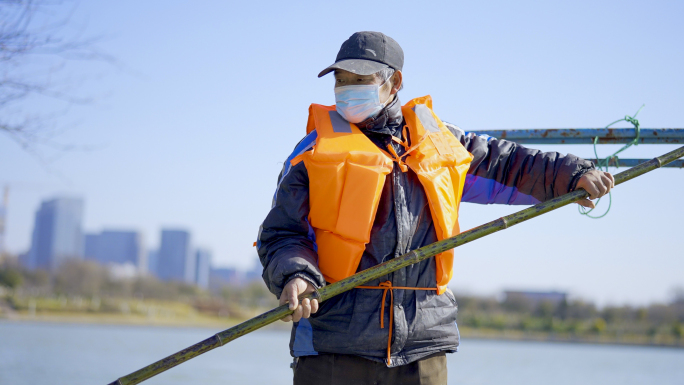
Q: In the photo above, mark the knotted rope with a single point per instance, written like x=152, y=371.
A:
x=603, y=164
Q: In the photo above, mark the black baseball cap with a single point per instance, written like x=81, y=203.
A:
x=366, y=53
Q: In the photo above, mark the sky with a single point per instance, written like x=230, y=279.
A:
x=190, y=126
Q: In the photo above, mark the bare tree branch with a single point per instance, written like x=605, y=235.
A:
x=34, y=52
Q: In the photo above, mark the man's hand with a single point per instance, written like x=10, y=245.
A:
x=289, y=295
x=597, y=183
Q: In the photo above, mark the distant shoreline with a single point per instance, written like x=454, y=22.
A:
x=199, y=321
x=203, y=321
x=516, y=335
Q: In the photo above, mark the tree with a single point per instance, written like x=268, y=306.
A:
x=10, y=277
x=76, y=277
x=34, y=51
x=599, y=325
x=518, y=303
x=678, y=296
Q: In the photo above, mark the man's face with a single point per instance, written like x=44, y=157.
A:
x=346, y=78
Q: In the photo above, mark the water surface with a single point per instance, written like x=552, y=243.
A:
x=43, y=353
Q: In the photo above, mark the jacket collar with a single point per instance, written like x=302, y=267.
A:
x=388, y=121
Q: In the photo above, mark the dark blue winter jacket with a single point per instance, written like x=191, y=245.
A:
x=501, y=172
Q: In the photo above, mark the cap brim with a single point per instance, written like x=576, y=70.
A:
x=356, y=66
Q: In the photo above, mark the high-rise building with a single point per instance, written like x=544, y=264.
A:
x=90, y=245
x=254, y=274
x=57, y=233
x=202, y=268
x=176, y=261
x=223, y=276
x=152, y=258
x=117, y=247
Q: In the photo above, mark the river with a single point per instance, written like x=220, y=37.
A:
x=74, y=354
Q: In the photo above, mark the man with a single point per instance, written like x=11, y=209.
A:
x=371, y=181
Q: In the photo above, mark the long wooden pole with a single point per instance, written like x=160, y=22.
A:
x=383, y=269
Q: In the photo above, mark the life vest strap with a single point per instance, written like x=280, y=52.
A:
x=400, y=159
x=387, y=287
x=409, y=150
x=393, y=154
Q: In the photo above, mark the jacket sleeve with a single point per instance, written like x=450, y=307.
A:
x=285, y=243
x=504, y=172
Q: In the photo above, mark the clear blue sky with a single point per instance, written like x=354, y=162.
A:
x=192, y=130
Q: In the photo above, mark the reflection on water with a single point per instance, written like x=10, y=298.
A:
x=33, y=353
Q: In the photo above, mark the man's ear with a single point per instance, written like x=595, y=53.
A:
x=397, y=79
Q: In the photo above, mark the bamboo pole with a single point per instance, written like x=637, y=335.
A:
x=383, y=269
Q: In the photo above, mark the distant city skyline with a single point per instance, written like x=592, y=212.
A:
x=58, y=236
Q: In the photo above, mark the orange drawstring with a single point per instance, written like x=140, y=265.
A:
x=387, y=286
x=393, y=154
x=397, y=158
x=404, y=133
x=405, y=143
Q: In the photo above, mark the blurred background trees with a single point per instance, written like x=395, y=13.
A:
x=79, y=286
x=573, y=319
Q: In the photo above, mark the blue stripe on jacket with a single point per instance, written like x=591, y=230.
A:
x=478, y=189
x=481, y=190
x=303, y=146
x=303, y=341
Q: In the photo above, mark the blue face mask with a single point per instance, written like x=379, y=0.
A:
x=359, y=102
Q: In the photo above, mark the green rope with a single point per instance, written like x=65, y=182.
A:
x=604, y=163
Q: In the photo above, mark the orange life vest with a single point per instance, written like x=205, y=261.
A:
x=347, y=173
